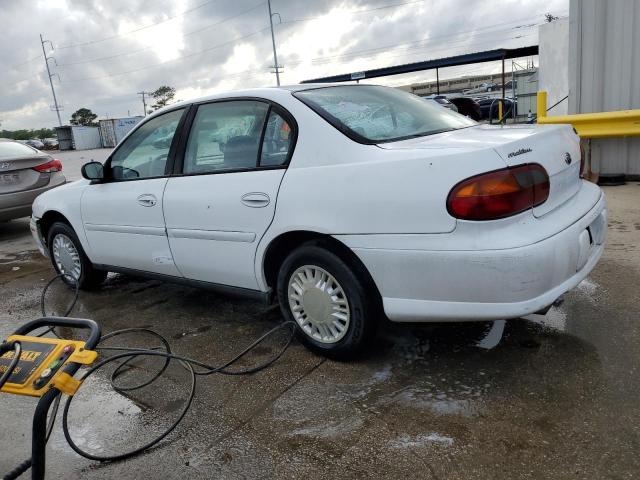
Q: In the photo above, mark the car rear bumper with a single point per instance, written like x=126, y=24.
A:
x=493, y=283
x=18, y=204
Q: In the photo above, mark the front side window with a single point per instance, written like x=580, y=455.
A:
x=225, y=136
x=373, y=114
x=144, y=153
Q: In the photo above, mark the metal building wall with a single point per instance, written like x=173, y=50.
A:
x=86, y=138
x=604, y=73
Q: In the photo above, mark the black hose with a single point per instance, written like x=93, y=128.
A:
x=7, y=347
x=69, y=308
x=126, y=355
x=18, y=470
x=122, y=456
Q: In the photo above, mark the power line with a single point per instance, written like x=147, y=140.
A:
x=395, y=5
x=17, y=65
x=243, y=37
x=135, y=30
x=356, y=12
x=416, y=45
x=193, y=32
x=317, y=60
x=491, y=41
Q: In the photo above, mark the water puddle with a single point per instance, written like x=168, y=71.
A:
x=588, y=289
x=555, y=319
x=455, y=400
x=417, y=441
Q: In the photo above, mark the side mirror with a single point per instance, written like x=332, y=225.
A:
x=93, y=171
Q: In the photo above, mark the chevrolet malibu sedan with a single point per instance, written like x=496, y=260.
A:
x=344, y=203
x=24, y=174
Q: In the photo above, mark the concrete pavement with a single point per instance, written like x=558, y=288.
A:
x=558, y=397
x=72, y=160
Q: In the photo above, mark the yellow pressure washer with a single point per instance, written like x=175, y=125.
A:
x=45, y=368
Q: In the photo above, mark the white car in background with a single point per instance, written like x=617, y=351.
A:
x=343, y=202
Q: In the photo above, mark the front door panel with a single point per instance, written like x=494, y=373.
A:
x=123, y=217
x=125, y=226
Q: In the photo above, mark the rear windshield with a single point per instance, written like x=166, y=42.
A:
x=15, y=149
x=374, y=114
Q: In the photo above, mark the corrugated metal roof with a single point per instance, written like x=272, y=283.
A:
x=466, y=59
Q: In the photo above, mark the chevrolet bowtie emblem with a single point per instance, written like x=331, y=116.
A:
x=567, y=158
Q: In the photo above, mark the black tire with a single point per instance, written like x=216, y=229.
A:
x=361, y=297
x=90, y=278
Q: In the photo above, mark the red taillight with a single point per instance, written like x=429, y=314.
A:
x=499, y=194
x=49, y=167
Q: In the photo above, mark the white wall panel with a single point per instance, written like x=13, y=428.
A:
x=604, y=73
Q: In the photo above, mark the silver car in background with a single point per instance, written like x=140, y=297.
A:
x=24, y=174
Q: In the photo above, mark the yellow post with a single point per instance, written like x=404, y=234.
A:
x=500, y=111
x=541, y=104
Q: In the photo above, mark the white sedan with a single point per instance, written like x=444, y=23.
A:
x=343, y=202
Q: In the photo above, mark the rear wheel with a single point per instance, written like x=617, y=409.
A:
x=68, y=258
x=336, y=314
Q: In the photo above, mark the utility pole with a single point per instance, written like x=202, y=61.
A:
x=144, y=100
x=56, y=107
x=273, y=42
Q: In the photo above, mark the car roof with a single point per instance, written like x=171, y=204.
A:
x=255, y=92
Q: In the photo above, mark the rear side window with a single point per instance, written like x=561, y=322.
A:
x=278, y=140
x=15, y=149
x=225, y=136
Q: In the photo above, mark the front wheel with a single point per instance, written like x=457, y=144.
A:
x=69, y=260
x=328, y=299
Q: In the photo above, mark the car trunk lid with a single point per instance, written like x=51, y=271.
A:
x=17, y=174
x=555, y=147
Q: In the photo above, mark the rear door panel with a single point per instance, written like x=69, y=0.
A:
x=214, y=225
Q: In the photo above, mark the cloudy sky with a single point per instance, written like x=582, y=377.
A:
x=107, y=50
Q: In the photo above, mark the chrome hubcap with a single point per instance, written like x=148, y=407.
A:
x=319, y=304
x=66, y=256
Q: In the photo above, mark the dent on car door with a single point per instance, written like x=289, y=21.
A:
x=218, y=210
x=123, y=216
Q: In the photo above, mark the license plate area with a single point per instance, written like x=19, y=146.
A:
x=9, y=178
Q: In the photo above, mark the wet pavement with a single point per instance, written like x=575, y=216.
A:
x=545, y=397
x=72, y=160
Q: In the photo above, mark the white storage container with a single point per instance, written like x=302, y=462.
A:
x=115, y=129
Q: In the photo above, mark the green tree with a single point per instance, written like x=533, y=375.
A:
x=28, y=134
x=84, y=117
x=163, y=96
x=44, y=133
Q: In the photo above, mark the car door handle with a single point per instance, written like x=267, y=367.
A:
x=147, y=200
x=256, y=199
